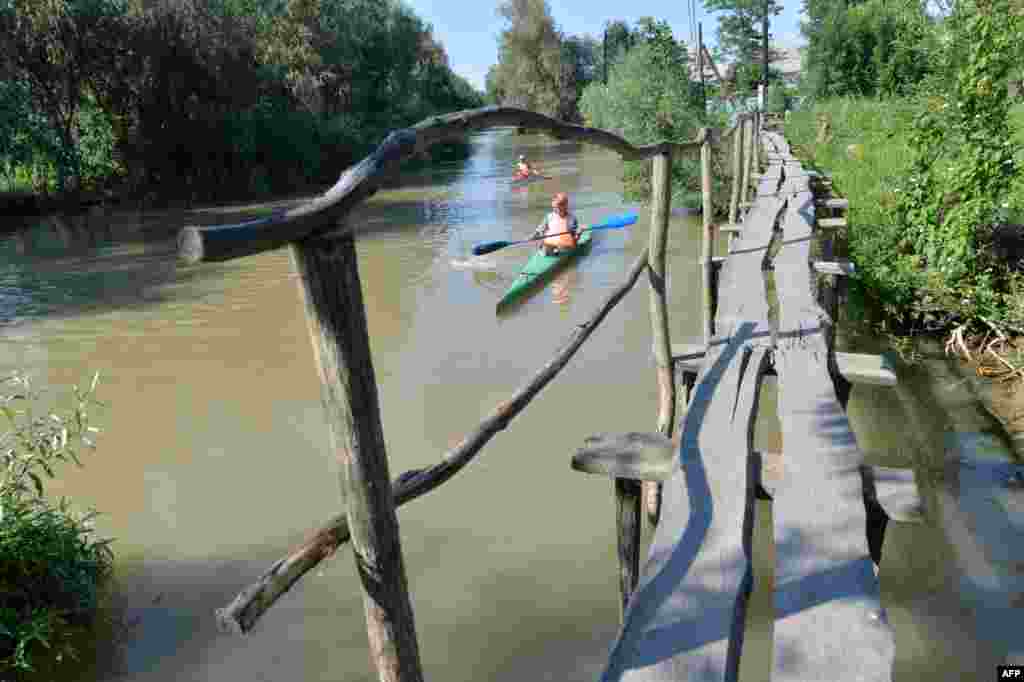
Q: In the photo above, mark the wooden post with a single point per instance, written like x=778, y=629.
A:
x=751, y=157
x=661, y=205
x=627, y=525
x=737, y=170
x=707, y=244
x=755, y=157
x=748, y=124
x=333, y=297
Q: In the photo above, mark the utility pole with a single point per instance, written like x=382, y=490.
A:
x=764, y=59
x=700, y=69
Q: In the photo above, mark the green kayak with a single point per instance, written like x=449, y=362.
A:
x=539, y=268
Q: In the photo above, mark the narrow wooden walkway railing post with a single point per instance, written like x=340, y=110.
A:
x=707, y=243
x=333, y=294
x=737, y=173
x=748, y=141
x=661, y=206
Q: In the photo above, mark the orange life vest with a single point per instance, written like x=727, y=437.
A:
x=557, y=224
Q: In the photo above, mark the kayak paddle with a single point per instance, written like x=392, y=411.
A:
x=610, y=224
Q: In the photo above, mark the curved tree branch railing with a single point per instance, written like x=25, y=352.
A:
x=322, y=247
x=320, y=217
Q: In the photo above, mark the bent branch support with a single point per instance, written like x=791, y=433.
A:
x=245, y=610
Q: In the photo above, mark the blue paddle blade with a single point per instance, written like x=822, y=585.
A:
x=618, y=221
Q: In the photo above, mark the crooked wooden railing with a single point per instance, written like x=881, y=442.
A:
x=323, y=250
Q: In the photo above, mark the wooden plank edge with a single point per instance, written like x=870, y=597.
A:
x=894, y=489
x=857, y=368
x=843, y=268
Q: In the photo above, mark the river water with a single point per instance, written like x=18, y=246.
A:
x=214, y=457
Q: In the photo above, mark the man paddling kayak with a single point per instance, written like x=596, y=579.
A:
x=559, y=221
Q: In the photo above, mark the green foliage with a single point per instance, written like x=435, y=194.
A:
x=889, y=274
x=51, y=565
x=648, y=99
x=938, y=170
x=741, y=32
x=159, y=91
x=529, y=69
x=964, y=162
x=867, y=48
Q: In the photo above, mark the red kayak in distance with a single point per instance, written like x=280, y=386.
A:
x=519, y=177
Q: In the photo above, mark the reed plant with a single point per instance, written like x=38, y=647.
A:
x=52, y=566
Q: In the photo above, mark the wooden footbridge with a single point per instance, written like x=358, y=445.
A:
x=685, y=606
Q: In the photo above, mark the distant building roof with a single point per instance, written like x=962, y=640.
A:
x=786, y=59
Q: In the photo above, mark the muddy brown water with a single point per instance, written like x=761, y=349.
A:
x=214, y=459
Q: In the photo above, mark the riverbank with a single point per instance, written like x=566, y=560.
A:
x=864, y=147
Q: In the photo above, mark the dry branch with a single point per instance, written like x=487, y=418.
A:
x=321, y=215
x=245, y=610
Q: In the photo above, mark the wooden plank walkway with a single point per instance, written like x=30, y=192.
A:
x=685, y=621
x=829, y=622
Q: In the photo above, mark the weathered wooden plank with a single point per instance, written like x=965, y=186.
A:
x=685, y=621
x=639, y=456
x=840, y=267
x=858, y=368
x=829, y=622
x=831, y=223
x=837, y=204
x=865, y=368
x=730, y=227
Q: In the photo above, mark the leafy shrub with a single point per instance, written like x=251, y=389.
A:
x=649, y=99
x=51, y=565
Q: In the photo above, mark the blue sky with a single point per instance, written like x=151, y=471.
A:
x=469, y=29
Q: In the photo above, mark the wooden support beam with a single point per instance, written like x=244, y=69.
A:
x=707, y=244
x=661, y=202
x=748, y=163
x=831, y=223
x=838, y=204
x=628, y=504
x=333, y=296
x=730, y=227
x=636, y=455
x=841, y=268
x=858, y=368
x=628, y=458
x=737, y=171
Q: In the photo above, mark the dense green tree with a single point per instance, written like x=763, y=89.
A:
x=740, y=34
x=55, y=47
x=874, y=46
x=649, y=98
x=529, y=69
x=215, y=96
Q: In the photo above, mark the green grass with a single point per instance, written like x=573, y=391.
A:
x=866, y=155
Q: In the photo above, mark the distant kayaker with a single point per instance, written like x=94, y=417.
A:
x=524, y=169
x=558, y=221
